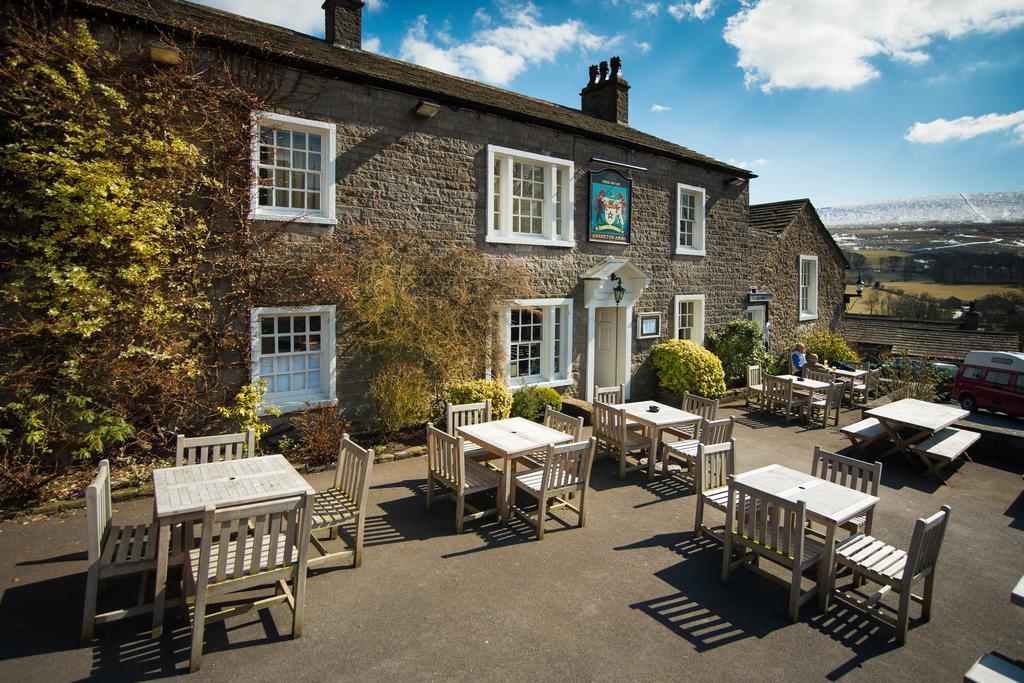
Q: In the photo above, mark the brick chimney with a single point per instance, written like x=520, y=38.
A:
x=344, y=23
x=606, y=96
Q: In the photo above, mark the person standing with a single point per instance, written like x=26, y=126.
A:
x=798, y=359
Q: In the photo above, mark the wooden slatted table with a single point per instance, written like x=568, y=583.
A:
x=923, y=418
x=511, y=438
x=653, y=422
x=850, y=376
x=181, y=494
x=805, y=386
x=829, y=504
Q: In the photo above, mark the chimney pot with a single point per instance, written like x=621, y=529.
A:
x=343, y=23
x=606, y=97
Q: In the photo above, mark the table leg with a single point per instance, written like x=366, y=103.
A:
x=653, y=456
x=163, y=541
x=506, y=489
x=827, y=569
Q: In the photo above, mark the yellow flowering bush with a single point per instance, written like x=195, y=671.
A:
x=478, y=390
x=685, y=366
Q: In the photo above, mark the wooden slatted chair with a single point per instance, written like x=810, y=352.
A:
x=621, y=443
x=896, y=570
x=566, y=472
x=573, y=426
x=819, y=374
x=196, y=450
x=465, y=414
x=677, y=437
x=114, y=550
x=611, y=395
x=684, y=452
x=715, y=464
x=246, y=547
x=447, y=463
x=773, y=528
x=851, y=473
x=755, y=384
x=344, y=503
x=864, y=389
x=822, y=404
x=779, y=397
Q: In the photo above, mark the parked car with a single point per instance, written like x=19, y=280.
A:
x=946, y=373
x=991, y=380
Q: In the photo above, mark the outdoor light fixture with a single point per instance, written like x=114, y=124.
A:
x=426, y=109
x=860, y=284
x=618, y=291
x=860, y=290
x=162, y=53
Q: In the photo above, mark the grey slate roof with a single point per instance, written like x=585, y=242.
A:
x=280, y=45
x=925, y=338
x=775, y=217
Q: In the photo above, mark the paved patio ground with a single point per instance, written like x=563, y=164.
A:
x=632, y=596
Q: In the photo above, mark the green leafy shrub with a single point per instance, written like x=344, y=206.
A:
x=246, y=407
x=737, y=344
x=530, y=401
x=685, y=366
x=318, y=432
x=906, y=377
x=828, y=346
x=477, y=390
x=402, y=395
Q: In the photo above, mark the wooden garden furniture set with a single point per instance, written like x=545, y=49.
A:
x=918, y=429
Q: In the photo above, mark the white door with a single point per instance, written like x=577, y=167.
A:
x=756, y=313
x=609, y=343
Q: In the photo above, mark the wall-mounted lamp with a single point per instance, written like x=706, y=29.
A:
x=735, y=182
x=426, y=109
x=162, y=53
x=860, y=290
x=618, y=291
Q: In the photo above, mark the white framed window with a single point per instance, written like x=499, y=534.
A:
x=690, y=203
x=808, y=288
x=689, y=317
x=293, y=350
x=529, y=198
x=293, y=164
x=538, y=334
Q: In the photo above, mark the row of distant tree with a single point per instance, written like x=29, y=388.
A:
x=957, y=267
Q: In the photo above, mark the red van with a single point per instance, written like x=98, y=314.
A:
x=993, y=380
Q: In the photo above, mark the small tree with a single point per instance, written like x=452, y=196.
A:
x=685, y=366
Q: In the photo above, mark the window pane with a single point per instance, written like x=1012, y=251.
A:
x=281, y=198
x=298, y=200
x=314, y=162
x=267, y=345
x=266, y=326
x=314, y=362
x=283, y=138
x=298, y=382
x=313, y=380
x=313, y=201
x=267, y=367
x=282, y=383
x=264, y=197
x=284, y=324
x=284, y=344
x=266, y=135
x=314, y=323
x=281, y=178
x=314, y=342
x=298, y=160
x=282, y=364
x=300, y=342
x=314, y=142
x=299, y=140
x=299, y=363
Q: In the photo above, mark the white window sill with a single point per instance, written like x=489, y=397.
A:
x=292, y=218
x=521, y=382
x=538, y=241
x=297, y=404
x=808, y=316
x=690, y=251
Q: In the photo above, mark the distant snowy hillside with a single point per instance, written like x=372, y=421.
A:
x=986, y=207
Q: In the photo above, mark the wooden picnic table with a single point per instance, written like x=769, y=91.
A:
x=510, y=439
x=805, y=386
x=921, y=418
x=829, y=504
x=654, y=421
x=181, y=494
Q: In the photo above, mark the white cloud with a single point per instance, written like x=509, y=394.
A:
x=647, y=9
x=815, y=44
x=371, y=44
x=481, y=16
x=660, y=107
x=307, y=17
x=374, y=5
x=499, y=54
x=701, y=10
x=748, y=164
x=643, y=46
x=966, y=127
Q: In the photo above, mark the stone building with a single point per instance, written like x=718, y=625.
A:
x=366, y=139
x=798, y=272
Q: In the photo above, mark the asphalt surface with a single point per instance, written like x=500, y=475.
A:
x=632, y=596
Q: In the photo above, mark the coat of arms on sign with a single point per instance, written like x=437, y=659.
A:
x=611, y=208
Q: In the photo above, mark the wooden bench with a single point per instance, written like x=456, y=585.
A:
x=994, y=668
x=944, y=447
x=1017, y=596
x=864, y=433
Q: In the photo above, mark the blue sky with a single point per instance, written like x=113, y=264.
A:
x=842, y=101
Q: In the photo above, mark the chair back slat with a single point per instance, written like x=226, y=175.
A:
x=714, y=466
x=778, y=391
x=445, y=456
x=774, y=525
x=602, y=420
x=98, y=511
x=818, y=375
x=568, y=465
x=845, y=471
x=466, y=414
x=755, y=375
x=614, y=426
x=707, y=408
x=352, y=473
x=610, y=395
x=926, y=543
x=241, y=553
x=198, y=450
x=716, y=431
x=573, y=426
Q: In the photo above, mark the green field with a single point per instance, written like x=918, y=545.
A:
x=939, y=290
